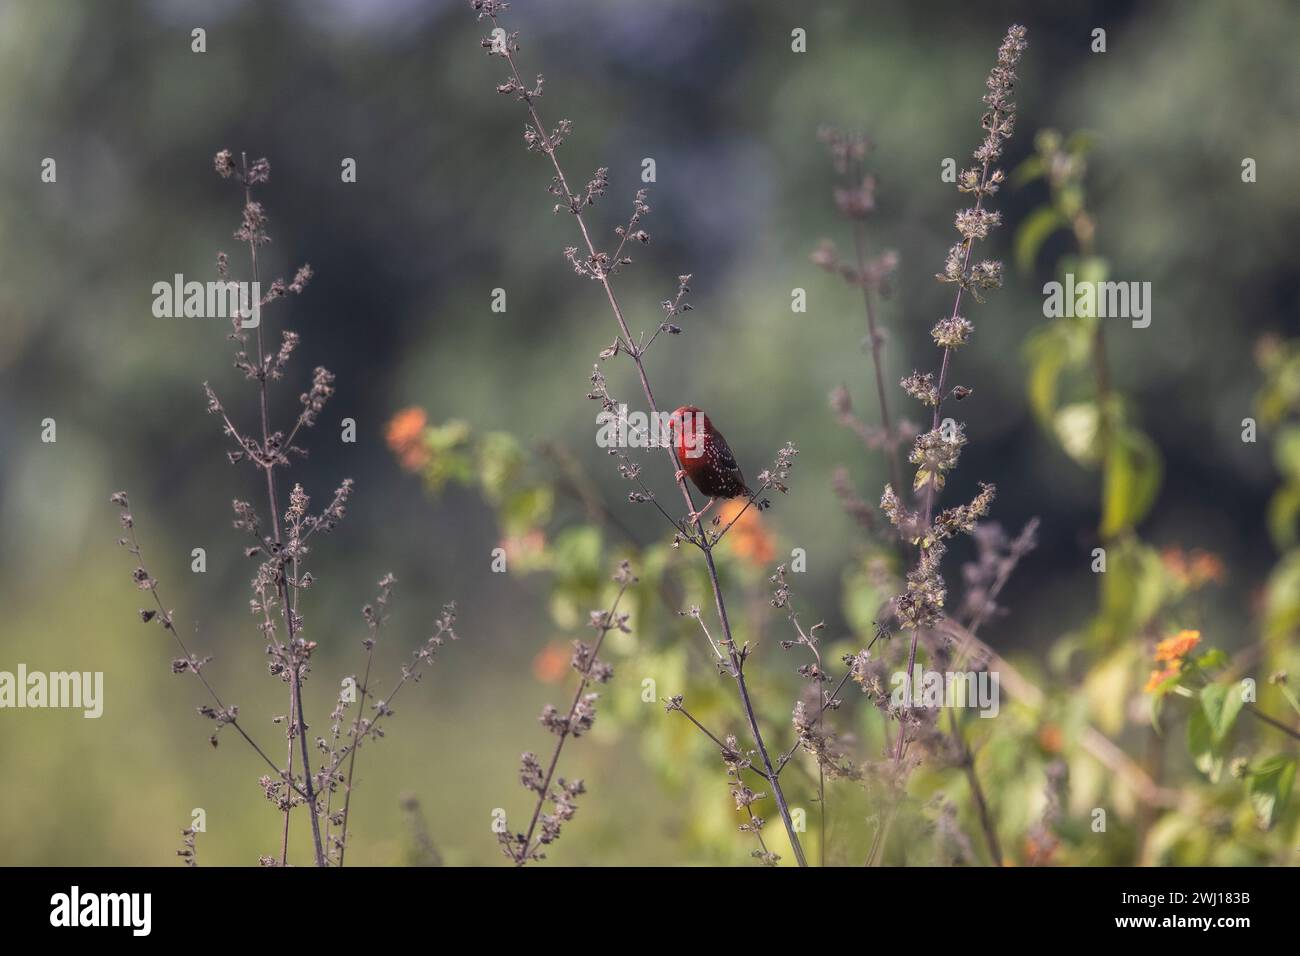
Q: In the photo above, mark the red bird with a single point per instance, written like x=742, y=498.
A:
x=705, y=457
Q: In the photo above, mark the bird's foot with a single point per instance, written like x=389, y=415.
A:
x=696, y=515
x=680, y=475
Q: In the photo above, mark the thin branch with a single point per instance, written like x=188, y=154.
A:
x=608, y=621
x=195, y=666
x=376, y=620
x=1272, y=722
x=410, y=672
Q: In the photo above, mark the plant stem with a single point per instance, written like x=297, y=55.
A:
x=607, y=625
x=873, y=336
x=356, y=723
x=977, y=791
x=635, y=352
x=1272, y=722
x=297, y=723
x=947, y=352
x=284, y=837
x=930, y=487
x=907, y=700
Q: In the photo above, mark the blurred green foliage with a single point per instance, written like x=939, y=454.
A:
x=448, y=207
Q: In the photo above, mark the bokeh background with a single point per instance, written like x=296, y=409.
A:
x=449, y=206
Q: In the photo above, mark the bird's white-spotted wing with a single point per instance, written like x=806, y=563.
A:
x=725, y=466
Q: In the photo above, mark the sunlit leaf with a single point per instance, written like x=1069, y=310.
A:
x=1221, y=704
x=1033, y=232
x=1270, y=788
x=1070, y=199
x=1081, y=142
x=578, y=553
x=1076, y=428
x=525, y=509
x=1282, y=600
x=1200, y=743
x=1133, y=473
x=1060, y=346
x=1029, y=170
x=1281, y=391
x=1283, y=513
x=1212, y=659
x=1286, y=452
x=1108, y=687
x=500, y=461
x=1132, y=589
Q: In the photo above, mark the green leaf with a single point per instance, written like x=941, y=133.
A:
x=1081, y=142
x=1221, y=704
x=500, y=460
x=862, y=598
x=578, y=564
x=1168, y=832
x=1069, y=199
x=1283, y=513
x=1108, y=687
x=1281, y=391
x=1033, y=232
x=1045, y=365
x=1029, y=170
x=1048, y=352
x=1282, y=601
x=449, y=458
x=1047, y=141
x=1094, y=269
x=1270, y=788
x=1077, y=426
x=1200, y=742
x=528, y=508
x=1133, y=473
x=1212, y=659
x=1089, y=271
x=1286, y=452
x=1132, y=590
x=579, y=549
x=454, y=433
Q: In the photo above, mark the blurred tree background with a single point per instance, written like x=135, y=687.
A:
x=449, y=206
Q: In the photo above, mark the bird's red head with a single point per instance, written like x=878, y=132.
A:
x=688, y=428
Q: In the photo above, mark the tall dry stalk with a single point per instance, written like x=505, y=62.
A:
x=544, y=828
x=600, y=266
x=282, y=549
x=935, y=452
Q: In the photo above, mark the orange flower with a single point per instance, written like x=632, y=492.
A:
x=1050, y=738
x=1206, y=567
x=1175, y=563
x=405, y=434
x=552, y=662
x=1172, y=650
x=750, y=540
x=1040, y=849
x=1193, y=569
